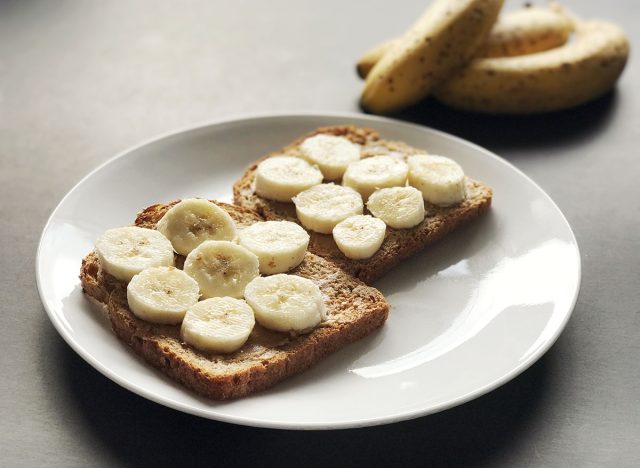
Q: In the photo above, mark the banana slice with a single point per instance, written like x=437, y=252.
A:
x=221, y=268
x=399, y=207
x=332, y=154
x=440, y=179
x=279, y=245
x=218, y=325
x=369, y=174
x=126, y=251
x=322, y=207
x=286, y=302
x=162, y=294
x=281, y=178
x=193, y=221
x=359, y=237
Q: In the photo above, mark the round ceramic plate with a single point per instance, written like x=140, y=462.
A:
x=468, y=314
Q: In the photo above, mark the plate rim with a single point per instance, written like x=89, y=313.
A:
x=286, y=425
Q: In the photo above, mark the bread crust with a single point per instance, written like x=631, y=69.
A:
x=398, y=243
x=354, y=310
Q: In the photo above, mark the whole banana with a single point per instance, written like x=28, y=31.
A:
x=520, y=32
x=527, y=31
x=443, y=39
x=559, y=78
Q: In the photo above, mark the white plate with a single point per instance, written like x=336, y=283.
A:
x=468, y=314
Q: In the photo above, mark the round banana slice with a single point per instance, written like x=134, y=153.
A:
x=322, y=207
x=369, y=174
x=221, y=268
x=440, y=179
x=286, y=302
x=193, y=221
x=332, y=154
x=399, y=207
x=162, y=294
x=279, y=245
x=126, y=251
x=218, y=325
x=281, y=178
x=359, y=237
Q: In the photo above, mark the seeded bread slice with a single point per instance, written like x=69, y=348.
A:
x=398, y=243
x=354, y=310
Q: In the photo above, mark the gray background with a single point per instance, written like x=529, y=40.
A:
x=81, y=81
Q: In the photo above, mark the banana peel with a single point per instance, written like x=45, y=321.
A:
x=442, y=40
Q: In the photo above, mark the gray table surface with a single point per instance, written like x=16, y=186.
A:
x=81, y=81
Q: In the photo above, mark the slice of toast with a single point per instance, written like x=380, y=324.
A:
x=398, y=243
x=354, y=310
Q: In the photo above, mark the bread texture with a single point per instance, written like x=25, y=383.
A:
x=398, y=243
x=354, y=310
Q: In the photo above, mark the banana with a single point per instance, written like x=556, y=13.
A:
x=221, y=268
x=192, y=221
x=321, y=207
x=359, y=237
x=398, y=207
x=279, y=245
x=126, y=251
x=280, y=178
x=369, y=174
x=520, y=32
x=443, y=39
x=373, y=56
x=286, y=303
x=440, y=179
x=332, y=154
x=162, y=294
x=218, y=325
x=527, y=31
x=567, y=76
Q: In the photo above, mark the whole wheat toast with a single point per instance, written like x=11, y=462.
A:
x=353, y=309
x=398, y=244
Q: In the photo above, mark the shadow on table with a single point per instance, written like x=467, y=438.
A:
x=499, y=132
x=136, y=431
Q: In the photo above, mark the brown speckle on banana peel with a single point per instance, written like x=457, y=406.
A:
x=442, y=40
x=564, y=77
x=519, y=32
x=527, y=31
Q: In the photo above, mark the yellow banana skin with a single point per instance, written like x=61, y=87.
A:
x=520, y=32
x=443, y=39
x=526, y=31
x=373, y=56
x=564, y=77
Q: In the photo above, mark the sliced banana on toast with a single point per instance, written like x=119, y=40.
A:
x=332, y=154
x=279, y=245
x=321, y=207
x=398, y=207
x=218, y=325
x=440, y=179
x=369, y=174
x=193, y=221
x=359, y=237
x=162, y=294
x=221, y=268
x=286, y=303
x=126, y=251
x=280, y=178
